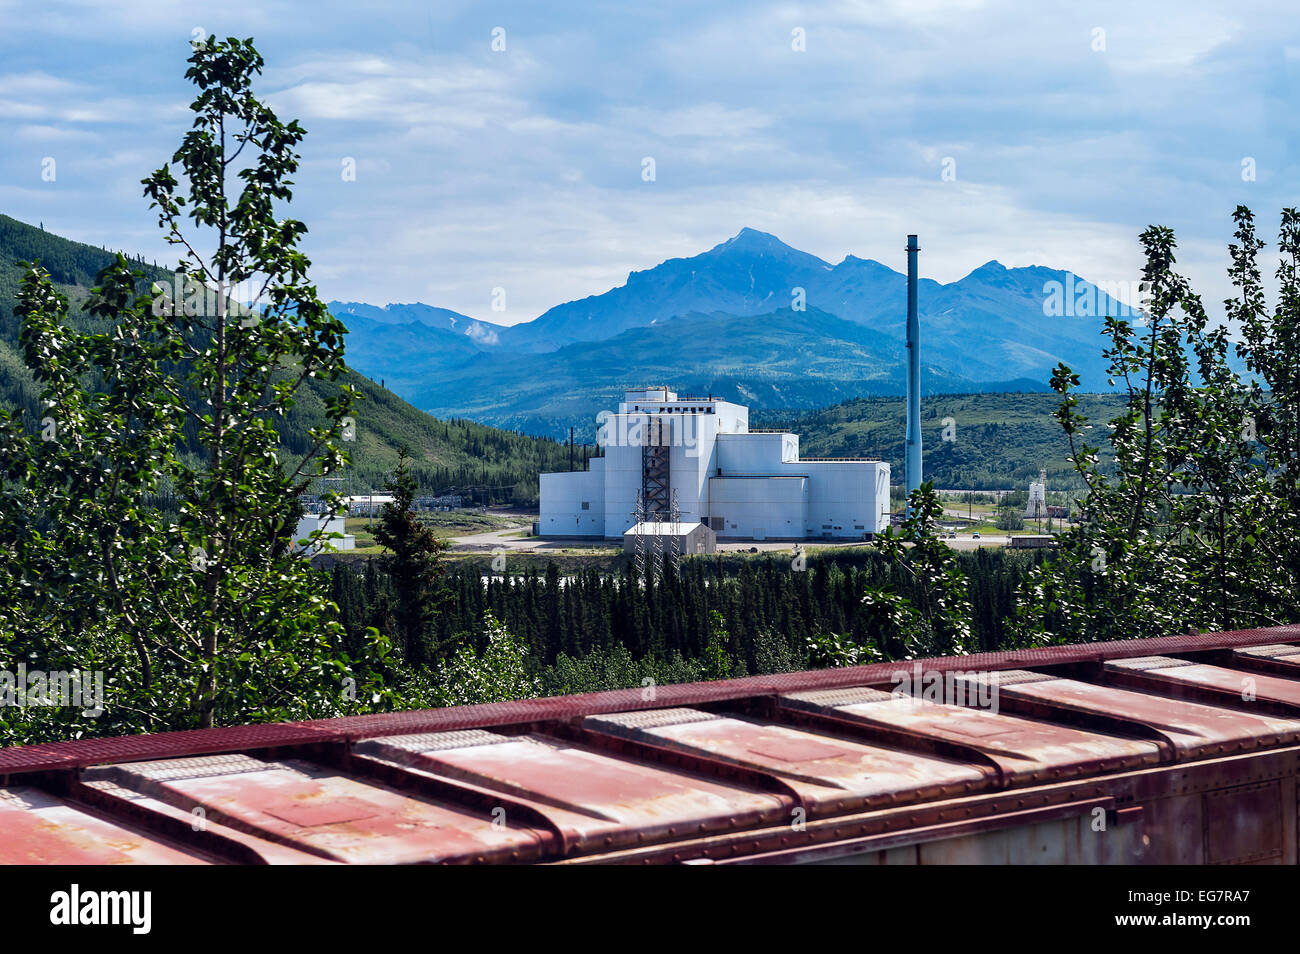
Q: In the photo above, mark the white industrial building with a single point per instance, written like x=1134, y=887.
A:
x=1036, y=505
x=367, y=505
x=699, y=456
x=683, y=539
x=311, y=522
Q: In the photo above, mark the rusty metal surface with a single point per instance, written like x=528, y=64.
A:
x=594, y=798
x=1192, y=729
x=1242, y=687
x=830, y=774
x=1181, y=750
x=1026, y=750
x=321, y=812
x=41, y=829
x=242, y=738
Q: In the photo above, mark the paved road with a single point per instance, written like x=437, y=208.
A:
x=965, y=541
x=503, y=540
x=507, y=539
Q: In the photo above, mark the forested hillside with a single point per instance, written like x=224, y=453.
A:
x=484, y=463
x=980, y=441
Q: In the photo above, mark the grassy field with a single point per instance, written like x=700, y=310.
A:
x=463, y=523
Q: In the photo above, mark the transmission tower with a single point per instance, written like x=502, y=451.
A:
x=675, y=541
x=657, y=562
x=638, y=525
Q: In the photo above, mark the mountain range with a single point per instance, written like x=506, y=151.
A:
x=751, y=319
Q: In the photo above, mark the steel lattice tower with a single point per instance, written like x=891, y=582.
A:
x=638, y=524
x=675, y=543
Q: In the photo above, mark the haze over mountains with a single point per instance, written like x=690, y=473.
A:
x=731, y=321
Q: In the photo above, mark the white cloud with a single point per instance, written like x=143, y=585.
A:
x=482, y=334
x=47, y=133
x=701, y=121
x=523, y=169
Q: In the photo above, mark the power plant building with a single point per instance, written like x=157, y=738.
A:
x=695, y=460
x=1036, y=505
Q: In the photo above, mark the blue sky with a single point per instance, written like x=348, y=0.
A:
x=522, y=169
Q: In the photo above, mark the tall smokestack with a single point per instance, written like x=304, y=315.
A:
x=913, y=460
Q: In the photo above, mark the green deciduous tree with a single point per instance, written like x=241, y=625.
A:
x=1010, y=518
x=211, y=618
x=936, y=619
x=496, y=674
x=1197, y=528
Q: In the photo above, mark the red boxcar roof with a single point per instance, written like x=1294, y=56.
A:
x=740, y=769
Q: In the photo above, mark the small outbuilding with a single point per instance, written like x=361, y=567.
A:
x=310, y=523
x=689, y=537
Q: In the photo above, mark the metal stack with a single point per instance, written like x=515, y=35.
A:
x=913, y=460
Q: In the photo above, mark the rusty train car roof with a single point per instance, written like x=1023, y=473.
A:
x=786, y=767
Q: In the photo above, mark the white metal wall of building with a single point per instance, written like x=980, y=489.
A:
x=845, y=498
x=754, y=455
x=310, y=523
x=759, y=508
x=573, y=503
x=691, y=537
x=690, y=465
x=711, y=455
x=692, y=456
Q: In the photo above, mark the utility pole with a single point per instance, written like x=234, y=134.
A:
x=570, y=448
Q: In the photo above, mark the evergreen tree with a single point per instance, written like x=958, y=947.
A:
x=413, y=563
